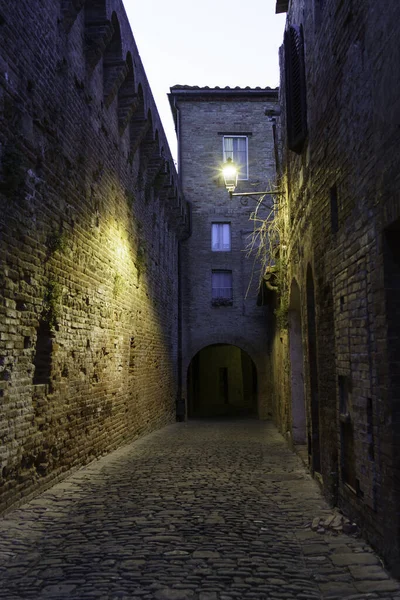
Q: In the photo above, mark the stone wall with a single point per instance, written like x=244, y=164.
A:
x=202, y=116
x=340, y=218
x=91, y=217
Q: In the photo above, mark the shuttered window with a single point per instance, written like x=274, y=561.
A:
x=296, y=109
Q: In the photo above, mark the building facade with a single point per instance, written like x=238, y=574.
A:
x=90, y=221
x=113, y=321
x=224, y=334
x=340, y=222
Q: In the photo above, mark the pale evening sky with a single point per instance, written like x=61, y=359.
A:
x=212, y=42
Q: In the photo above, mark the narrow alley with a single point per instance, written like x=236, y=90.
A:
x=202, y=510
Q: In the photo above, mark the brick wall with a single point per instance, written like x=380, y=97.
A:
x=342, y=200
x=202, y=117
x=91, y=217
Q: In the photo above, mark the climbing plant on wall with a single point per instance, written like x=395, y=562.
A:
x=267, y=247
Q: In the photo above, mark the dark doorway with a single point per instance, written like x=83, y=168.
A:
x=391, y=248
x=296, y=365
x=314, y=441
x=222, y=381
x=224, y=385
x=392, y=292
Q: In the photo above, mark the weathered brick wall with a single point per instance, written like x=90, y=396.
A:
x=91, y=215
x=202, y=117
x=351, y=160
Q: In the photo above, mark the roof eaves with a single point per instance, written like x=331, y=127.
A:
x=186, y=90
x=219, y=90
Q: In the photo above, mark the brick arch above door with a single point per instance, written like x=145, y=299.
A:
x=228, y=339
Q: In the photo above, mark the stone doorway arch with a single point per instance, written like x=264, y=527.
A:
x=299, y=421
x=222, y=381
x=314, y=445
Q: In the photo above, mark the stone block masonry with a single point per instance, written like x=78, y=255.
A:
x=91, y=215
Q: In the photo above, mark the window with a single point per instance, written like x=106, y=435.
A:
x=221, y=288
x=296, y=109
x=220, y=237
x=235, y=147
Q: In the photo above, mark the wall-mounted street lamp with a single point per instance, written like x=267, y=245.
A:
x=230, y=173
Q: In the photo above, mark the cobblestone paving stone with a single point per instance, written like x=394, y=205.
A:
x=205, y=510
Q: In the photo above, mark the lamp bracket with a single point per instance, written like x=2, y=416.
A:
x=255, y=193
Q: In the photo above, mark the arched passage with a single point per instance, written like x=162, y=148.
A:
x=222, y=380
x=314, y=442
x=297, y=373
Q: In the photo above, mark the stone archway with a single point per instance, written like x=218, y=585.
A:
x=222, y=381
x=297, y=372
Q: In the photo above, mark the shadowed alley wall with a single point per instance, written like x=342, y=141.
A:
x=340, y=115
x=91, y=216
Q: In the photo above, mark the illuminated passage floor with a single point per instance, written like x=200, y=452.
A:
x=205, y=510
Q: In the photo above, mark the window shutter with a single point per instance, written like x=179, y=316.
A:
x=296, y=108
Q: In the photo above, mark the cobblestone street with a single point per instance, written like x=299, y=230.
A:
x=205, y=510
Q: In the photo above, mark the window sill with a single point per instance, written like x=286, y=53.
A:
x=221, y=302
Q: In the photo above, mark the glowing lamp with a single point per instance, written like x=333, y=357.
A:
x=230, y=173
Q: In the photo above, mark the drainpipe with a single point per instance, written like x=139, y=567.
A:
x=180, y=403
